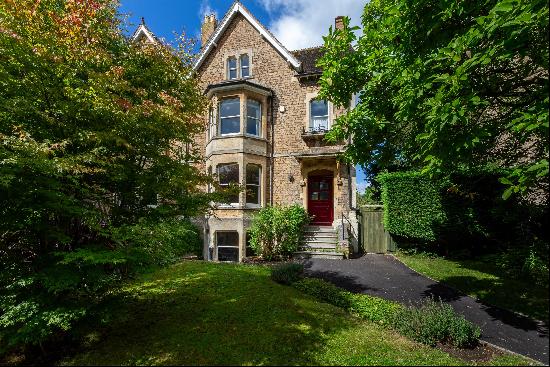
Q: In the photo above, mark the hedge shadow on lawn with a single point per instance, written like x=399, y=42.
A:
x=348, y=283
x=190, y=321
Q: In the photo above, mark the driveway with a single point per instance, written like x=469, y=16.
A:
x=386, y=277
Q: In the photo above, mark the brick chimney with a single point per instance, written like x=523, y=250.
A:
x=208, y=27
x=339, y=22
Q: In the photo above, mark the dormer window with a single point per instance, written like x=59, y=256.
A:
x=318, y=115
x=231, y=68
x=245, y=66
x=230, y=116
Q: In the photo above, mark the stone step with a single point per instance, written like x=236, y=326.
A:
x=322, y=245
x=309, y=235
x=321, y=239
x=319, y=255
x=319, y=229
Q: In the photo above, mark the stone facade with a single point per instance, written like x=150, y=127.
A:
x=285, y=151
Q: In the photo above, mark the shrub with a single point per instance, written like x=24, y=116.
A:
x=434, y=322
x=277, y=231
x=365, y=306
x=159, y=243
x=288, y=273
x=412, y=205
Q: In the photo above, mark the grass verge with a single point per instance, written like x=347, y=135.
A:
x=483, y=280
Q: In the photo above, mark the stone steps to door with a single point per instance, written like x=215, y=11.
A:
x=319, y=242
x=318, y=254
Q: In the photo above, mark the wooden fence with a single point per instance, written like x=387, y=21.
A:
x=374, y=238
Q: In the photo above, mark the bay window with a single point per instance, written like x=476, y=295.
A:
x=228, y=174
x=253, y=184
x=230, y=116
x=253, y=117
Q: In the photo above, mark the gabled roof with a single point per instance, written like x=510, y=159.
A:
x=143, y=31
x=308, y=57
x=238, y=8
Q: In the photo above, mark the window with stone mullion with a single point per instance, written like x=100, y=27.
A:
x=253, y=184
x=230, y=116
x=253, y=117
x=231, y=68
x=228, y=174
x=245, y=66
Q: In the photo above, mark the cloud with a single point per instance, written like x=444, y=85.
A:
x=206, y=9
x=302, y=23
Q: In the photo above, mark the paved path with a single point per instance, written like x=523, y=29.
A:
x=386, y=277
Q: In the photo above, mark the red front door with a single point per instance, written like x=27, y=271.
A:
x=319, y=199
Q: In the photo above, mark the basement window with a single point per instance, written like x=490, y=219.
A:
x=228, y=245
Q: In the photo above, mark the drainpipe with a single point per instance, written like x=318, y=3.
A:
x=272, y=151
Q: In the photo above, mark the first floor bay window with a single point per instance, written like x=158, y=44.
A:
x=253, y=179
x=229, y=174
x=230, y=116
x=253, y=117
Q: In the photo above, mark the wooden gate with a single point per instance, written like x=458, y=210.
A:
x=374, y=237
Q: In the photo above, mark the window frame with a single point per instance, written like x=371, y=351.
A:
x=232, y=204
x=237, y=246
x=258, y=204
x=243, y=67
x=229, y=68
x=258, y=119
x=311, y=116
x=220, y=117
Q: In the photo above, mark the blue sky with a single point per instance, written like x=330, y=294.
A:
x=296, y=23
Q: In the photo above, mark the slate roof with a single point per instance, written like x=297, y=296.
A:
x=308, y=57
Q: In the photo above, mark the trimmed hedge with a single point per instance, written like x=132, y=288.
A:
x=413, y=205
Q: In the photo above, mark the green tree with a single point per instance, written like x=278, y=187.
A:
x=445, y=85
x=95, y=152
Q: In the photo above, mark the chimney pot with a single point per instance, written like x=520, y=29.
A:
x=208, y=27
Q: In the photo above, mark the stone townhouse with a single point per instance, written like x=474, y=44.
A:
x=265, y=130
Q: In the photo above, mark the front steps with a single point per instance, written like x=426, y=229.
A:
x=320, y=242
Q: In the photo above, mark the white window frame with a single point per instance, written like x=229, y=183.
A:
x=311, y=117
x=258, y=185
x=227, y=117
x=258, y=120
x=229, y=68
x=227, y=184
x=243, y=67
x=234, y=247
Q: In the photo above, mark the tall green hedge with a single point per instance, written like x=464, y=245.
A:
x=413, y=205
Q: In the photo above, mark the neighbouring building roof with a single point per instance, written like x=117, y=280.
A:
x=308, y=57
x=238, y=8
x=143, y=32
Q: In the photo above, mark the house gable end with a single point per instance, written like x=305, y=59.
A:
x=236, y=9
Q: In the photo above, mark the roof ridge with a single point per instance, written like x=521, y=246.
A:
x=307, y=48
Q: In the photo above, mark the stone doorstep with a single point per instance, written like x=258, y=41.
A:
x=318, y=254
x=319, y=229
x=324, y=246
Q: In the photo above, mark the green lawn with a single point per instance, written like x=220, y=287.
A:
x=205, y=313
x=485, y=281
